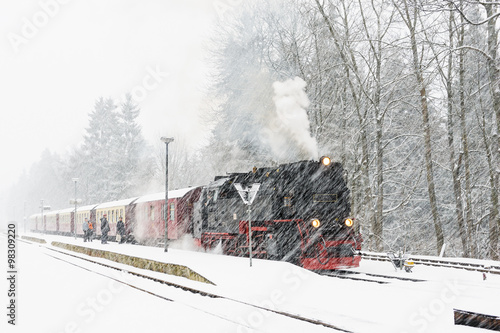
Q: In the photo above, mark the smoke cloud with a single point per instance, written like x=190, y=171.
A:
x=287, y=130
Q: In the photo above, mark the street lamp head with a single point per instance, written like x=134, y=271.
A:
x=74, y=179
x=166, y=140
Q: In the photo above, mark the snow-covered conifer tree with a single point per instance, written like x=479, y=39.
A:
x=131, y=148
x=100, y=153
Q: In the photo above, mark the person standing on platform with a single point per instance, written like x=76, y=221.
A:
x=120, y=231
x=91, y=230
x=86, y=231
x=104, y=229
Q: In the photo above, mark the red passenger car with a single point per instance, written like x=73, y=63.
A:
x=148, y=224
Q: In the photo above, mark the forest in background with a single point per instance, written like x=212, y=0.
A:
x=406, y=94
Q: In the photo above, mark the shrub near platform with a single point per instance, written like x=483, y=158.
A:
x=152, y=265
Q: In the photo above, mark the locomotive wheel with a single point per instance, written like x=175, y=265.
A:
x=322, y=252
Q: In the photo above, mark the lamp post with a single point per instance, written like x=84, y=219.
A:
x=165, y=212
x=76, y=202
x=24, y=216
x=42, y=207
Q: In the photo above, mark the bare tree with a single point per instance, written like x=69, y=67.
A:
x=492, y=13
x=492, y=150
x=410, y=16
x=446, y=71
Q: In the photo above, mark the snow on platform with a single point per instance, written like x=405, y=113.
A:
x=400, y=306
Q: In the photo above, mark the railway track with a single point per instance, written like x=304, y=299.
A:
x=64, y=256
x=439, y=262
x=368, y=277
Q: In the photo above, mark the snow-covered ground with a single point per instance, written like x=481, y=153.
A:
x=54, y=296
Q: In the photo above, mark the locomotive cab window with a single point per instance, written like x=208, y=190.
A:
x=317, y=197
x=213, y=195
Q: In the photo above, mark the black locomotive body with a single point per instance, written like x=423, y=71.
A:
x=301, y=214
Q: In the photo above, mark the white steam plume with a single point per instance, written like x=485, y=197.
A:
x=287, y=130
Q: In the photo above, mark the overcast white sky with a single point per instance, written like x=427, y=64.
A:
x=59, y=56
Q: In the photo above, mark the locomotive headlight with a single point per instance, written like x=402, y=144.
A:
x=325, y=160
x=349, y=222
x=315, y=223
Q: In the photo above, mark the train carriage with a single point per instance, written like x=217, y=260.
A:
x=114, y=210
x=35, y=222
x=51, y=222
x=66, y=222
x=83, y=212
x=149, y=223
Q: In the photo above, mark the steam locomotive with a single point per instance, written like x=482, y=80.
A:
x=300, y=214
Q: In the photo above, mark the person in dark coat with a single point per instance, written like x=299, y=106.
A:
x=104, y=229
x=86, y=231
x=120, y=230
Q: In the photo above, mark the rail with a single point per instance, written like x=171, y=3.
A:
x=439, y=262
